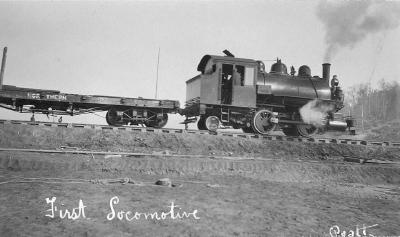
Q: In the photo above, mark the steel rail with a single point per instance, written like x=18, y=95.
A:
x=189, y=131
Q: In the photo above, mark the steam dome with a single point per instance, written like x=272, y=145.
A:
x=279, y=67
x=304, y=71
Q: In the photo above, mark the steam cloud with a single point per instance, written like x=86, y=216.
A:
x=349, y=22
x=314, y=112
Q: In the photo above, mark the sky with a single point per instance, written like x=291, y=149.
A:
x=111, y=47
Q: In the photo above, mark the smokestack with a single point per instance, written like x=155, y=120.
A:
x=326, y=68
x=3, y=65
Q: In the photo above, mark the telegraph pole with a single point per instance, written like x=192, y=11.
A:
x=158, y=63
x=3, y=66
x=362, y=116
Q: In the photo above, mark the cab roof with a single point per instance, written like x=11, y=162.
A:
x=228, y=59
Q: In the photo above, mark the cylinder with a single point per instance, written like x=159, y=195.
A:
x=3, y=65
x=336, y=125
x=326, y=67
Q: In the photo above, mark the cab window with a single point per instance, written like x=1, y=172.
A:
x=239, y=75
x=243, y=76
x=249, y=76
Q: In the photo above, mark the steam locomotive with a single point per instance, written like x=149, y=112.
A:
x=240, y=93
x=229, y=91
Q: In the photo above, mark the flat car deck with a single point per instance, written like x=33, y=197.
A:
x=13, y=97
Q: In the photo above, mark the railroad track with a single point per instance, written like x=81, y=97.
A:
x=226, y=134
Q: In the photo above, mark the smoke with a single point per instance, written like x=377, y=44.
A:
x=349, y=22
x=315, y=112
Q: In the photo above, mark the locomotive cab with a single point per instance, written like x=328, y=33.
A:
x=224, y=93
x=224, y=81
x=238, y=84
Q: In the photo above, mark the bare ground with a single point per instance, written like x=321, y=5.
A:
x=293, y=189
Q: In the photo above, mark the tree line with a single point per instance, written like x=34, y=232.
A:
x=373, y=106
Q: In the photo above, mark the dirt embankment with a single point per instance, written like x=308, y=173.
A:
x=275, y=160
x=25, y=136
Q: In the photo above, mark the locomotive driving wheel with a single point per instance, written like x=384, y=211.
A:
x=264, y=122
x=306, y=130
x=158, y=122
x=300, y=130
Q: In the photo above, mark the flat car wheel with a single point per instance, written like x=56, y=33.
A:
x=113, y=119
x=158, y=122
